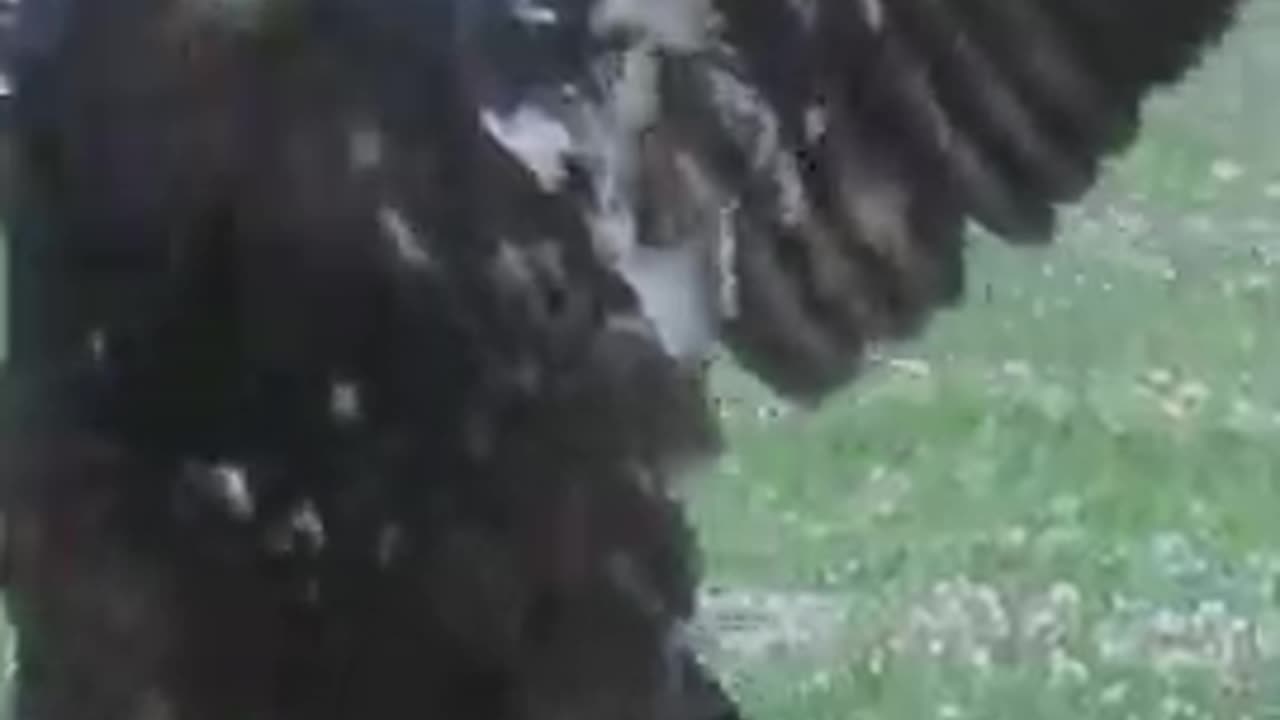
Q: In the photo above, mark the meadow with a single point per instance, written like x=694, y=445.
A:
x=1063, y=500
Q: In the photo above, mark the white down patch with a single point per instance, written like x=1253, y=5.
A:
x=680, y=25
x=535, y=13
x=671, y=277
x=534, y=136
x=671, y=283
x=674, y=279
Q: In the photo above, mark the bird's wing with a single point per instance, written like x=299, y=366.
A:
x=796, y=176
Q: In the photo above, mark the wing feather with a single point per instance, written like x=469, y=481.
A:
x=855, y=141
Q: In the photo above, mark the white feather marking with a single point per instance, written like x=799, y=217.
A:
x=537, y=138
x=727, y=262
x=606, y=147
x=815, y=123
x=364, y=147
x=682, y=284
x=681, y=25
x=874, y=11
x=97, y=343
x=231, y=485
x=535, y=13
x=309, y=525
x=403, y=238
x=637, y=102
x=671, y=283
x=345, y=402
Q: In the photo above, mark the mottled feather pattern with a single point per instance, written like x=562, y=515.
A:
x=863, y=136
x=359, y=346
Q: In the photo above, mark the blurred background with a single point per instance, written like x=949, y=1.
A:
x=1064, y=502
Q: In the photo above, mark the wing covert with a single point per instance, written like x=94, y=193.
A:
x=846, y=146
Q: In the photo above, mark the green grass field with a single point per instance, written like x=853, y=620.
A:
x=1063, y=502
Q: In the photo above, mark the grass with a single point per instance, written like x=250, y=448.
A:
x=1062, y=501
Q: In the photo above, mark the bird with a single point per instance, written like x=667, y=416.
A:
x=359, y=348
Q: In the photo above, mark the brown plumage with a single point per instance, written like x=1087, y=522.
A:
x=358, y=345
